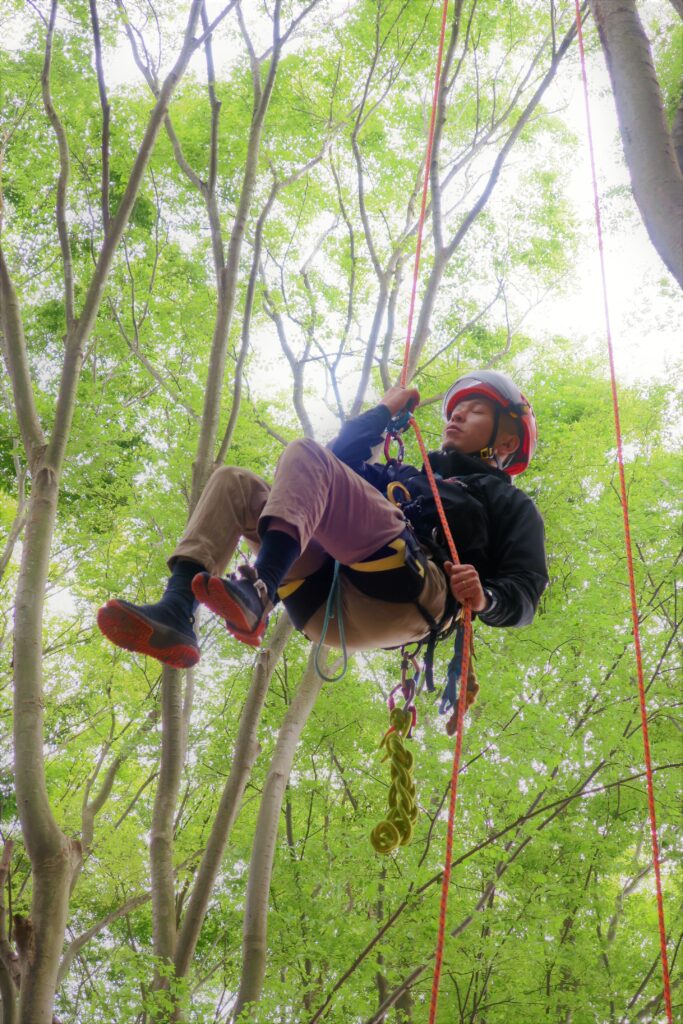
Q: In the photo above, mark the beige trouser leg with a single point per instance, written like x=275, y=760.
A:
x=229, y=508
x=335, y=513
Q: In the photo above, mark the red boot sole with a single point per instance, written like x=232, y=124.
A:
x=211, y=592
x=135, y=632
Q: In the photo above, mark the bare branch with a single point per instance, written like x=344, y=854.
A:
x=14, y=352
x=253, y=59
x=181, y=159
x=104, y=103
x=77, y=338
x=299, y=18
x=444, y=255
x=19, y=516
x=64, y=169
x=463, y=330
x=296, y=363
x=212, y=26
x=215, y=111
x=77, y=944
x=439, y=124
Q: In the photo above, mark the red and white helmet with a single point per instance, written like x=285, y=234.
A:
x=501, y=390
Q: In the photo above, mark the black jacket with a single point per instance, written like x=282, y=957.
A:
x=496, y=527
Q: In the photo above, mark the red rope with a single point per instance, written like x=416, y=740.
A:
x=447, y=864
x=627, y=537
x=462, y=703
x=446, y=877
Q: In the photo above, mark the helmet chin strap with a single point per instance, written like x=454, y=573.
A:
x=488, y=453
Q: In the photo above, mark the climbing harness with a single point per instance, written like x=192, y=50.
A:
x=627, y=538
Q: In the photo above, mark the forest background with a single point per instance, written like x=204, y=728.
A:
x=200, y=263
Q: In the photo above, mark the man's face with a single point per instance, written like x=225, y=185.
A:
x=470, y=426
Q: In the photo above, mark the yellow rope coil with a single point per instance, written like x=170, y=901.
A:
x=397, y=828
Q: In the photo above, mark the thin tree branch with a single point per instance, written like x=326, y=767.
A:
x=64, y=170
x=104, y=103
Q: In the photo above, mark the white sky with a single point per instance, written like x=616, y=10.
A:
x=646, y=304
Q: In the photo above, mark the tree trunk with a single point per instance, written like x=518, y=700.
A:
x=245, y=753
x=9, y=967
x=173, y=746
x=254, y=945
x=227, y=287
x=677, y=134
x=648, y=145
x=53, y=856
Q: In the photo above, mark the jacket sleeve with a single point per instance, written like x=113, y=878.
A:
x=518, y=574
x=354, y=443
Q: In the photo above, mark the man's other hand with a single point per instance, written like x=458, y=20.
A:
x=466, y=586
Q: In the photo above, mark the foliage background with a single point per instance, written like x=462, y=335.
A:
x=552, y=901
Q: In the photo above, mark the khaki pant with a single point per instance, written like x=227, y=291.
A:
x=336, y=513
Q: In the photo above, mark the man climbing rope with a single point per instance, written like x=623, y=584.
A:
x=397, y=583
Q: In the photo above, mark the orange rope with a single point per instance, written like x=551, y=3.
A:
x=462, y=704
x=627, y=537
x=467, y=622
x=462, y=701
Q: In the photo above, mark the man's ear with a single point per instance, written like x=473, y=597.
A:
x=506, y=444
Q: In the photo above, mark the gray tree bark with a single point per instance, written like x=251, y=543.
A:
x=54, y=857
x=254, y=943
x=649, y=147
x=244, y=755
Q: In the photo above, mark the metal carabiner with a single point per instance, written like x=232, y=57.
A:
x=397, y=426
x=387, y=448
x=394, y=488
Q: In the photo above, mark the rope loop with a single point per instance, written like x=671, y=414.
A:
x=397, y=828
x=333, y=609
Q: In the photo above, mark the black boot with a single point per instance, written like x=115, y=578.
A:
x=163, y=630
